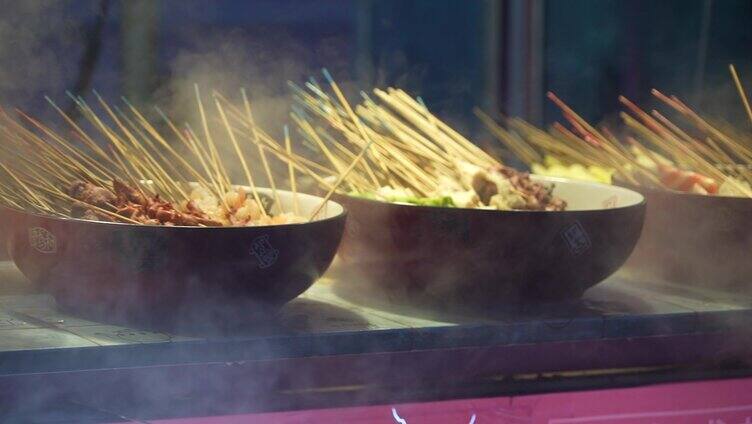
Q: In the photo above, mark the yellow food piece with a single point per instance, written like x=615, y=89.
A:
x=649, y=162
x=248, y=212
x=552, y=167
x=238, y=208
x=734, y=187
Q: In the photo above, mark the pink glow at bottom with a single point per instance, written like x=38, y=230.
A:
x=707, y=402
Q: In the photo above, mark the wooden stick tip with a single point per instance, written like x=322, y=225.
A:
x=327, y=75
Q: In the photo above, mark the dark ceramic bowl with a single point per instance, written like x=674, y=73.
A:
x=487, y=257
x=162, y=275
x=694, y=239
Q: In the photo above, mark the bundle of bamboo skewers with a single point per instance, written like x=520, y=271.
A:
x=388, y=140
x=409, y=147
x=38, y=163
x=392, y=148
x=654, y=151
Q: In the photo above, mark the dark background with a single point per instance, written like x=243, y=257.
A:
x=596, y=50
x=455, y=54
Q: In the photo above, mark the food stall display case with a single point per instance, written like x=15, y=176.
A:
x=430, y=279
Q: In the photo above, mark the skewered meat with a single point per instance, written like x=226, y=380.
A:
x=687, y=181
x=92, y=195
x=538, y=196
x=128, y=194
x=506, y=188
x=88, y=195
x=131, y=203
x=203, y=209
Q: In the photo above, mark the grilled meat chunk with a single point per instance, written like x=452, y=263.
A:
x=130, y=203
x=91, y=194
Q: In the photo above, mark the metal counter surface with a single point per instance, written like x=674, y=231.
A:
x=337, y=317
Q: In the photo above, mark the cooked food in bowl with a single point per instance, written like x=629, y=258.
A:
x=497, y=188
x=477, y=257
x=654, y=152
x=236, y=208
x=694, y=173
x=407, y=155
x=132, y=174
x=171, y=276
x=553, y=167
x=433, y=216
x=126, y=228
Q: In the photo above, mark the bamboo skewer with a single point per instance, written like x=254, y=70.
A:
x=401, y=144
x=350, y=112
x=199, y=152
x=241, y=157
x=144, y=123
x=147, y=163
x=208, y=183
x=36, y=163
x=291, y=171
x=677, y=149
x=60, y=194
x=740, y=90
x=27, y=141
x=526, y=154
x=597, y=143
x=76, y=154
x=548, y=141
x=221, y=174
x=704, y=125
x=89, y=142
x=171, y=170
x=261, y=138
x=341, y=178
x=41, y=203
x=130, y=178
x=264, y=162
x=308, y=130
x=270, y=177
x=409, y=146
x=457, y=137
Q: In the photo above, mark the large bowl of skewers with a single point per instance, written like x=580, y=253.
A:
x=432, y=217
x=695, y=175
x=125, y=227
